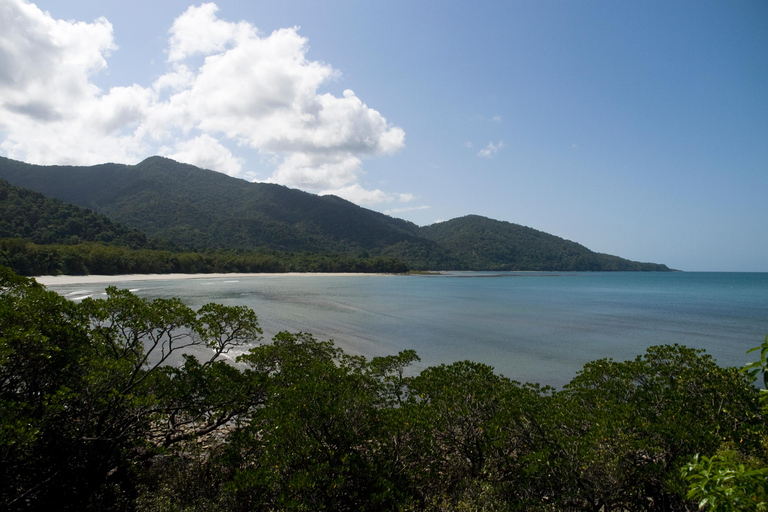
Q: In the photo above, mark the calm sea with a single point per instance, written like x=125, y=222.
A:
x=531, y=327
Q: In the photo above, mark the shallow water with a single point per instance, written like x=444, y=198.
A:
x=531, y=327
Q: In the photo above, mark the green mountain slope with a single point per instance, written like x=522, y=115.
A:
x=43, y=235
x=482, y=243
x=45, y=220
x=201, y=209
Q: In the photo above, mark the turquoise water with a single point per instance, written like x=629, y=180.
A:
x=532, y=327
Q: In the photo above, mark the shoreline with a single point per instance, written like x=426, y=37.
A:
x=98, y=279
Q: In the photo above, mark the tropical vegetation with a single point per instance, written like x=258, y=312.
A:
x=43, y=236
x=127, y=404
x=31, y=259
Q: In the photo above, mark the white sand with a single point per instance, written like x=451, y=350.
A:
x=68, y=280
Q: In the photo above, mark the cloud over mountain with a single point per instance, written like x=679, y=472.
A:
x=226, y=85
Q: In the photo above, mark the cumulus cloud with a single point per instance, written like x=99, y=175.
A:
x=226, y=86
x=491, y=149
x=199, y=32
x=47, y=98
x=207, y=153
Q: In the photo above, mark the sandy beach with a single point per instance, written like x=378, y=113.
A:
x=95, y=279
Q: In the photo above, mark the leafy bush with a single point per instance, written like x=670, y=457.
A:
x=128, y=404
x=730, y=480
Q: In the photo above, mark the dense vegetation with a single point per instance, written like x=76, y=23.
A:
x=27, y=258
x=43, y=220
x=41, y=235
x=493, y=245
x=201, y=210
x=93, y=417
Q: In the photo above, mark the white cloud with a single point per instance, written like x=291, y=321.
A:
x=496, y=118
x=469, y=144
x=359, y=195
x=206, y=152
x=491, y=149
x=48, y=104
x=317, y=171
x=226, y=86
x=199, y=32
x=395, y=211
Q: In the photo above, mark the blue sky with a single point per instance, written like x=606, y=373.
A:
x=635, y=128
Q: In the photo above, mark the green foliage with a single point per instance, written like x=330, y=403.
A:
x=42, y=340
x=720, y=484
x=31, y=259
x=86, y=395
x=391, y=372
x=759, y=368
x=309, y=441
x=634, y=424
x=466, y=433
x=128, y=404
x=729, y=481
x=43, y=220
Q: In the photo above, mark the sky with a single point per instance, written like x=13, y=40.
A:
x=638, y=129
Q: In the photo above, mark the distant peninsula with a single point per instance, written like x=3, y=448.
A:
x=174, y=208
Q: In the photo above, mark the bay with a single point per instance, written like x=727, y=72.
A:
x=530, y=326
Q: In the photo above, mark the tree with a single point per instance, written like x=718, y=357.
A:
x=87, y=396
x=104, y=405
x=630, y=426
x=43, y=338
x=461, y=438
x=314, y=444
x=729, y=480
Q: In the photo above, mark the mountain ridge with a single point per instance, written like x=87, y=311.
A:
x=201, y=209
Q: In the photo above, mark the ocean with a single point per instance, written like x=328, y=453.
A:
x=530, y=326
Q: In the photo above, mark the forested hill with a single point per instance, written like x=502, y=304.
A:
x=490, y=244
x=201, y=210
x=44, y=220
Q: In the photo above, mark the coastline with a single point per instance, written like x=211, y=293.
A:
x=97, y=279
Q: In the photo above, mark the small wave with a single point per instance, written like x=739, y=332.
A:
x=76, y=292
